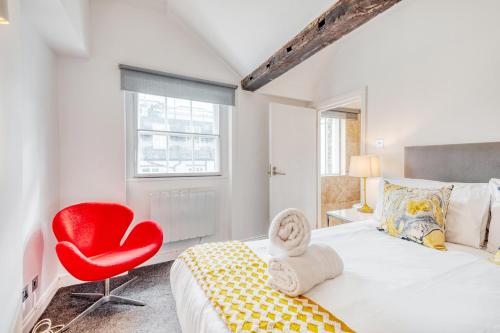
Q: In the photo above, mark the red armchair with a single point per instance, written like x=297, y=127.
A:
x=89, y=236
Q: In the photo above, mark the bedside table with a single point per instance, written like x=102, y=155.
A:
x=346, y=216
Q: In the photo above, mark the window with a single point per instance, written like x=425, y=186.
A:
x=176, y=125
x=175, y=136
x=332, y=145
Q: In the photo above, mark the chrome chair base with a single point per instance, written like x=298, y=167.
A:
x=109, y=296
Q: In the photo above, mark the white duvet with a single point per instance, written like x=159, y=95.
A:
x=388, y=285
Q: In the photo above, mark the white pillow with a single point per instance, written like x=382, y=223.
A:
x=494, y=234
x=468, y=211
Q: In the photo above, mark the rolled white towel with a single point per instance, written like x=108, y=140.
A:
x=296, y=275
x=289, y=233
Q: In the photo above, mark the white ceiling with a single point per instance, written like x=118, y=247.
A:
x=246, y=33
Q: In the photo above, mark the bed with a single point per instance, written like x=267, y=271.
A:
x=388, y=284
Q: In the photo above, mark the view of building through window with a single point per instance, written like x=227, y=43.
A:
x=177, y=136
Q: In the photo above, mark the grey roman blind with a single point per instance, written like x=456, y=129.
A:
x=341, y=113
x=171, y=85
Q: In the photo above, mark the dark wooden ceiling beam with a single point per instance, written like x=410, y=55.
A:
x=340, y=19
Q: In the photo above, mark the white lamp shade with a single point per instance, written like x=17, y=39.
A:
x=364, y=166
x=4, y=12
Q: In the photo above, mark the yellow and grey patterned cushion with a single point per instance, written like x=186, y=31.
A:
x=414, y=214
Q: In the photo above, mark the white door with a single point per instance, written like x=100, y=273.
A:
x=292, y=156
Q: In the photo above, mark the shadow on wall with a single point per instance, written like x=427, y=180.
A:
x=32, y=267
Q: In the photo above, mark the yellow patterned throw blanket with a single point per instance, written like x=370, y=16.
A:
x=234, y=279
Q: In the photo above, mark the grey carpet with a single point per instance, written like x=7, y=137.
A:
x=151, y=287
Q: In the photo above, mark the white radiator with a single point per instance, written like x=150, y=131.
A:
x=184, y=214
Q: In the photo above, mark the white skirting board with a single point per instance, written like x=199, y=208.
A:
x=30, y=320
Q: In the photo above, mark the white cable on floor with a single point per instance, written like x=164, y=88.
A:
x=45, y=326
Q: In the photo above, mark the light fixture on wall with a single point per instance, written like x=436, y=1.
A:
x=363, y=167
x=4, y=12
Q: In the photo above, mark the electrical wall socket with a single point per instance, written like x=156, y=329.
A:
x=25, y=293
x=379, y=143
x=34, y=284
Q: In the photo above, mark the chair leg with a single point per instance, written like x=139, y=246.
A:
x=88, y=295
x=103, y=299
x=88, y=310
x=124, y=300
x=123, y=286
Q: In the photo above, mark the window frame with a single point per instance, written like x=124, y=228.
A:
x=133, y=132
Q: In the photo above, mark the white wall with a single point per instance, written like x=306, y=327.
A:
x=63, y=24
x=432, y=72
x=40, y=186
x=11, y=233
x=90, y=101
x=29, y=165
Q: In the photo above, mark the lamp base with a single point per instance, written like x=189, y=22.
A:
x=365, y=209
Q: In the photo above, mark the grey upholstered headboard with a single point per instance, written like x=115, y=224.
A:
x=466, y=163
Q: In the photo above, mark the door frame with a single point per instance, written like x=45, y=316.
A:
x=336, y=102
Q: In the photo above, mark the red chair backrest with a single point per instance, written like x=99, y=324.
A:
x=94, y=228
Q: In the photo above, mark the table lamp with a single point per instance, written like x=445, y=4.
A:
x=363, y=167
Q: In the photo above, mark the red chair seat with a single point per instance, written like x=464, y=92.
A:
x=125, y=257
x=89, y=238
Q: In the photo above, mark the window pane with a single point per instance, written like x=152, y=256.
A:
x=152, y=154
x=180, y=154
x=323, y=145
x=206, y=154
x=330, y=145
x=333, y=144
x=177, y=136
x=179, y=115
x=205, y=118
x=151, y=112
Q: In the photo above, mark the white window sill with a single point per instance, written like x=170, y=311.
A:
x=175, y=178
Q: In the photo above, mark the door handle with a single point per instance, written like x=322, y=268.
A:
x=274, y=172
